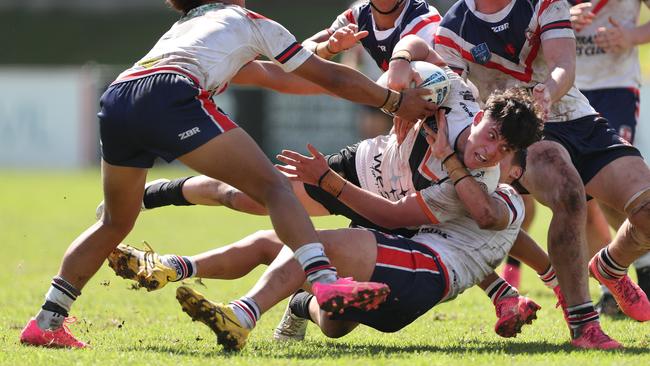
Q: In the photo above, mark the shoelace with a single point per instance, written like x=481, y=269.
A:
x=629, y=291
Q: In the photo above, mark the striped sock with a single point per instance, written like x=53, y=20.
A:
x=548, y=277
x=247, y=311
x=607, y=267
x=315, y=263
x=500, y=289
x=58, y=301
x=579, y=315
x=185, y=267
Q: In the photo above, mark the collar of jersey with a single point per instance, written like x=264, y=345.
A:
x=490, y=18
x=200, y=10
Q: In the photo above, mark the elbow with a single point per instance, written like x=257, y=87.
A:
x=487, y=221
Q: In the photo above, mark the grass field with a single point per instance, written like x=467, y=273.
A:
x=41, y=213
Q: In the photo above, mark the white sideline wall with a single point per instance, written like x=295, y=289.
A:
x=48, y=118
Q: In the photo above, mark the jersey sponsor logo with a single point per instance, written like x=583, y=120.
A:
x=586, y=46
x=382, y=48
x=501, y=27
x=467, y=95
x=481, y=53
x=189, y=133
x=433, y=230
x=466, y=109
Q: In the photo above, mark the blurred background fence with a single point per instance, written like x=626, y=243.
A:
x=57, y=56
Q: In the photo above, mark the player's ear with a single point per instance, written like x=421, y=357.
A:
x=516, y=172
x=478, y=117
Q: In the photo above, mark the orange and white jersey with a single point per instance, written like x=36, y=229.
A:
x=502, y=50
x=469, y=252
x=396, y=171
x=213, y=41
x=597, y=69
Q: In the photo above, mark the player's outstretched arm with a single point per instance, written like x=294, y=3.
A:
x=381, y=211
x=268, y=75
x=352, y=85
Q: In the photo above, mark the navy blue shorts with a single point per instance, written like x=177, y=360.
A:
x=417, y=279
x=591, y=143
x=157, y=115
x=620, y=106
x=344, y=164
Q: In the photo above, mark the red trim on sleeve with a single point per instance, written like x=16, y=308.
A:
x=254, y=15
x=349, y=16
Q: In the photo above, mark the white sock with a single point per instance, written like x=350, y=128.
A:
x=315, y=263
x=247, y=311
x=58, y=301
x=185, y=267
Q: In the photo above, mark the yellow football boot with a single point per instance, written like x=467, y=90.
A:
x=142, y=266
x=219, y=317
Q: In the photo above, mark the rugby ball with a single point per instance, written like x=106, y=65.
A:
x=433, y=78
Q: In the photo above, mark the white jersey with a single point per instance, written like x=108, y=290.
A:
x=469, y=252
x=213, y=41
x=597, y=69
x=396, y=171
x=502, y=50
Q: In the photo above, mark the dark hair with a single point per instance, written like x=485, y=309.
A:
x=184, y=5
x=517, y=116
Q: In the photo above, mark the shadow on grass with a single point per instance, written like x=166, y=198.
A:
x=329, y=349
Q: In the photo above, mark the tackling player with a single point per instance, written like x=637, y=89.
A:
x=517, y=42
x=607, y=37
x=508, y=123
x=162, y=107
x=440, y=262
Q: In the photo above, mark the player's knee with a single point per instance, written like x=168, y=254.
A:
x=118, y=227
x=640, y=225
x=334, y=331
x=269, y=245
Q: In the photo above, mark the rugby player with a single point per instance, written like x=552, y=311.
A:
x=607, y=38
x=436, y=265
x=503, y=43
x=162, y=107
x=483, y=145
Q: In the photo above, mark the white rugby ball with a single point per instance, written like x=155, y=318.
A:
x=433, y=78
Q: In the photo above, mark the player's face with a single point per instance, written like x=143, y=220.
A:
x=485, y=146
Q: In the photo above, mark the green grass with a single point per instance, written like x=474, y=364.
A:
x=40, y=214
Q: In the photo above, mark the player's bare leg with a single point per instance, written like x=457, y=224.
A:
x=202, y=190
x=624, y=185
x=598, y=232
x=283, y=277
x=153, y=271
x=553, y=180
x=123, y=188
x=512, y=268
